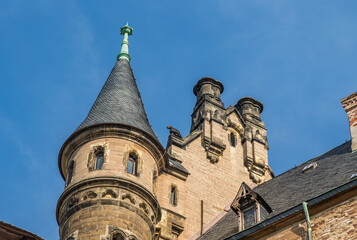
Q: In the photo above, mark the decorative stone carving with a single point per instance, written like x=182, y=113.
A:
x=174, y=132
x=72, y=201
x=114, y=233
x=256, y=168
x=128, y=197
x=237, y=127
x=138, y=153
x=214, y=149
x=144, y=207
x=89, y=195
x=73, y=236
x=109, y=193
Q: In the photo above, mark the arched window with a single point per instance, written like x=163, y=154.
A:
x=99, y=158
x=132, y=163
x=174, y=196
x=70, y=172
x=232, y=139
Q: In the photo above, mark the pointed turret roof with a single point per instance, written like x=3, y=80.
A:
x=119, y=101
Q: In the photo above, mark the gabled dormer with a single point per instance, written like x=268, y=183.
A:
x=250, y=207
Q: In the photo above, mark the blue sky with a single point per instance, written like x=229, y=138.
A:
x=297, y=57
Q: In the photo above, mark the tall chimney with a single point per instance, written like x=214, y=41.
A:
x=350, y=105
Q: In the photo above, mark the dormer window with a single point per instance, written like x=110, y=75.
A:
x=99, y=159
x=132, y=163
x=250, y=207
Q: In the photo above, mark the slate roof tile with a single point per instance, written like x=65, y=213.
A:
x=119, y=101
x=294, y=186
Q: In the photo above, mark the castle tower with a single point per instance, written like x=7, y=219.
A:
x=110, y=165
x=225, y=147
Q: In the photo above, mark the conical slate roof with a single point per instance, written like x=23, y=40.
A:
x=119, y=101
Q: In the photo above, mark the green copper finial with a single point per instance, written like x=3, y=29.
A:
x=124, y=52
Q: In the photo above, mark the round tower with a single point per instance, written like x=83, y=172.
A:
x=110, y=164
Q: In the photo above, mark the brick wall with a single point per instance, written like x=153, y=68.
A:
x=337, y=222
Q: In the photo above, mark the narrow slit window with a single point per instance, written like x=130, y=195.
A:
x=132, y=164
x=70, y=172
x=99, y=159
x=232, y=138
x=173, y=198
x=154, y=181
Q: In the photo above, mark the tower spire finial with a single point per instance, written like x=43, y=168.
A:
x=124, y=52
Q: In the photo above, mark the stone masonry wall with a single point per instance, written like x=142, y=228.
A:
x=214, y=183
x=89, y=210
x=338, y=222
x=92, y=223
x=114, y=164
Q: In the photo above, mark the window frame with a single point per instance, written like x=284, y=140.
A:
x=256, y=206
x=232, y=139
x=99, y=151
x=134, y=159
x=92, y=163
x=174, y=195
x=255, y=216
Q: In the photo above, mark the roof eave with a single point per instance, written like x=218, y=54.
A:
x=351, y=185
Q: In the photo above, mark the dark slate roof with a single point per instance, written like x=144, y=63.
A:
x=294, y=186
x=175, y=164
x=9, y=231
x=119, y=101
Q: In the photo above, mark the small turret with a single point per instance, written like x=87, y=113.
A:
x=109, y=164
x=250, y=107
x=208, y=87
x=209, y=105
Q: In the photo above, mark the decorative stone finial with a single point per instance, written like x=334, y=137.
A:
x=124, y=52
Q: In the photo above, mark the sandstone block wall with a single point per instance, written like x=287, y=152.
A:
x=94, y=223
x=116, y=150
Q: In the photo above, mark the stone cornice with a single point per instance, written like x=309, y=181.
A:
x=109, y=182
